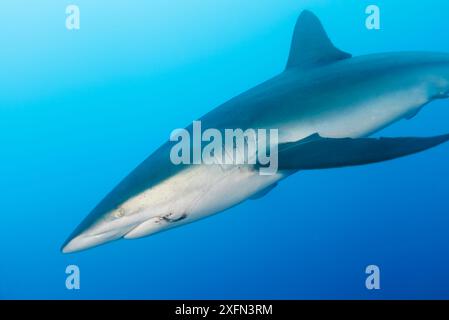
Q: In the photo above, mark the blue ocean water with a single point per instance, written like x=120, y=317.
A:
x=79, y=109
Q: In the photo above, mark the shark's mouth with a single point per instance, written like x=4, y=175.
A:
x=173, y=219
x=154, y=225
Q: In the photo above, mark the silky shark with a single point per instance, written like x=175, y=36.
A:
x=325, y=104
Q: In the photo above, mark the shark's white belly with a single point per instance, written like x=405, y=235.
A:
x=194, y=193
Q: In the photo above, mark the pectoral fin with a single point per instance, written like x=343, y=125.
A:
x=316, y=152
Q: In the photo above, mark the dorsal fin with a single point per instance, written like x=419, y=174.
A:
x=311, y=47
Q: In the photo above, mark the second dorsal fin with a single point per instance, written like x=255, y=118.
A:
x=311, y=47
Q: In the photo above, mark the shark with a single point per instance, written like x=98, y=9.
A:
x=326, y=105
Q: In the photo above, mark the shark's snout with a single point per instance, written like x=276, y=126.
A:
x=84, y=240
x=87, y=236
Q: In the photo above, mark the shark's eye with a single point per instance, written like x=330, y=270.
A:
x=119, y=213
